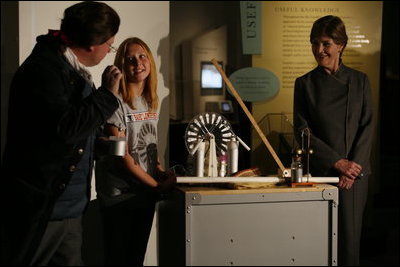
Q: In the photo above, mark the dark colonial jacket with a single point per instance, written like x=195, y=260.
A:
x=49, y=124
x=338, y=111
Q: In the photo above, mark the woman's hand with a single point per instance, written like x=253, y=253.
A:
x=348, y=168
x=345, y=182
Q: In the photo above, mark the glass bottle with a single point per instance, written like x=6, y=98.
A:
x=296, y=169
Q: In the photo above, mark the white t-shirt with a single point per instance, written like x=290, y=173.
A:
x=140, y=127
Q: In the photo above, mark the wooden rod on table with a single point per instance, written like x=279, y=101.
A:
x=251, y=118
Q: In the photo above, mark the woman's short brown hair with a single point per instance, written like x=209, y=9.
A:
x=332, y=27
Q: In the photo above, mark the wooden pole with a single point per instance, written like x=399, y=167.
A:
x=251, y=118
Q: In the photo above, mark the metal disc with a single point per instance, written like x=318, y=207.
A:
x=209, y=122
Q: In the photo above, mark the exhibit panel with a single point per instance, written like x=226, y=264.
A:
x=270, y=226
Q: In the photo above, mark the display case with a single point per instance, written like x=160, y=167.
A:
x=270, y=226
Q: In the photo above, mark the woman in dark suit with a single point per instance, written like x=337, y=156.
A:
x=334, y=102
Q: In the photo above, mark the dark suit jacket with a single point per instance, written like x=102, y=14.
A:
x=48, y=126
x=338, y=111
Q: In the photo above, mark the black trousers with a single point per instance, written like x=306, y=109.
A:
x=61, y=244
x=350, y=214
x=127, y=227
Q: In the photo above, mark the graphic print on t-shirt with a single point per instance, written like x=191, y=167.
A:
x=147, y=145
x=141, y=116
x=144, y=144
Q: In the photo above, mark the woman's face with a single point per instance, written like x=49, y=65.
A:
x=326, y=52
x=137, y=64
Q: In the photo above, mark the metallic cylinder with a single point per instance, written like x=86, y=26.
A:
x=200, y=159
x=297, y=171
x=117, y=145
x=233, y=153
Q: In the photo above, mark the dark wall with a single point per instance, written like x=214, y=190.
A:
x=380, y=238
x=9, y=58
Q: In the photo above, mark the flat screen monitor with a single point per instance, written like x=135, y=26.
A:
x=226, y=106
x=210, y=79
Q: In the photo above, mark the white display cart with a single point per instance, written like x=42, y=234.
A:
x=277, y=225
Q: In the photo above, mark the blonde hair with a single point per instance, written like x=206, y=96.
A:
x=150, y=88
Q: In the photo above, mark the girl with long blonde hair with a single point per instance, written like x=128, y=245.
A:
x=128, y=187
